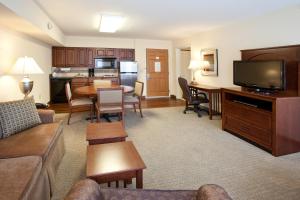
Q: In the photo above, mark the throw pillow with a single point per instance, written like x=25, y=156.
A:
x=16, y=116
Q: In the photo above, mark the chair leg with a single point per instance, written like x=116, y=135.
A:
x=140, y=108
x=98, y=116
x=91, y=113
x=70, y=113
x=134, y=107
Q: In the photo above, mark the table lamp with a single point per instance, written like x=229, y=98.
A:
x=25, y=66
x=194, y=65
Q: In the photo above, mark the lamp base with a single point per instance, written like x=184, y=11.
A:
x=194, y=82
x=26, y=86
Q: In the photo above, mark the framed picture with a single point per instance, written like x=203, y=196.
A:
x=211, y=56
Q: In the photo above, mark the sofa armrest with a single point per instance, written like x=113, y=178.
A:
x=212, y=192
x=85, y=190
x=46, y=116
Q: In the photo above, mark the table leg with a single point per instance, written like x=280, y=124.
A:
x=139, y=179
x=210, y=105
x=125, y=184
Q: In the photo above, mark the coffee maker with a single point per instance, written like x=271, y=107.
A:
x=91, y=72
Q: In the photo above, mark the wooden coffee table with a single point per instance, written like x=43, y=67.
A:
x=113, y=162
x=100, y=133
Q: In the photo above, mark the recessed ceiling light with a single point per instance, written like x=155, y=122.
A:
x=110, y=23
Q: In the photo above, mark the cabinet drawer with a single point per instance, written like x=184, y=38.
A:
x=254, y=116
x=256, y=134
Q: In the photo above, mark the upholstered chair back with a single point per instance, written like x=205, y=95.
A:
x=102, y=83
x=138, y=88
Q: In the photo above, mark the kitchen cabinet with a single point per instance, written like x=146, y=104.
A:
x=71, y=57
x=81, y=57
x=105, y=52
x=125, y=54
x=90, y=52
x=100, y=52
x=58, y=57
x=84, y=57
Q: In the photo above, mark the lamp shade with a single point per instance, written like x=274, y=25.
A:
x=204, y=64
x=25, y=66
x=194, y=64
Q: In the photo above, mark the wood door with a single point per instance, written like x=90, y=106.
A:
x=71, y=57
x=58, y=57
x=157, y=72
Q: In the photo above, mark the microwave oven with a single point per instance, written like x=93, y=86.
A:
x=105, y=63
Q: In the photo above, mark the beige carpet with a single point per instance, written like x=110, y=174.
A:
x=184, y=152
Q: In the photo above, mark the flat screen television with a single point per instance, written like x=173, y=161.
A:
x=264, y=75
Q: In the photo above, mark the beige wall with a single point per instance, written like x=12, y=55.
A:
x=276, y=29
x=140, y=46
x=12, y=46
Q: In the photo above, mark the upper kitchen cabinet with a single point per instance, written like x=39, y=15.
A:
x=90, y=52
x=105, y=52
x=81, y=57
x=72, y=57
x=126, y=54
x=58, y=57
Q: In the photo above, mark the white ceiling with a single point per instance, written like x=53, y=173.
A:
x=156, y=19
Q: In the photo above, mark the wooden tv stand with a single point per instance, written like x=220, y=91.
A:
x=270, y=121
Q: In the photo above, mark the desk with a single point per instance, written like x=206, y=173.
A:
x=214, y=95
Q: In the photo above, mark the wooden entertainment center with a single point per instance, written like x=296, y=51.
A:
x=272, y=121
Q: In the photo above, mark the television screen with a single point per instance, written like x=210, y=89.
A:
x=268, y=75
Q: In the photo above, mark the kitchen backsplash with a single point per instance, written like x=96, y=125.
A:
x=78, y=71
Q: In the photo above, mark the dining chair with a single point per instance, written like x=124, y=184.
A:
x=110, y=101
x=192, y=100
x=102, y=83
x=77, y=103
x=136, y=98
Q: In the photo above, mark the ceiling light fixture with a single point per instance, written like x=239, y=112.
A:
x=110, y=23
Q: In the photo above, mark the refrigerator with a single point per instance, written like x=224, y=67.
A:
x=128, y=72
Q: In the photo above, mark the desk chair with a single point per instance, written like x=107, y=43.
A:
x=77, y=103
x=110, y=101
x=192, y=101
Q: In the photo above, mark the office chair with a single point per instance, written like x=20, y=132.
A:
x=192, y=100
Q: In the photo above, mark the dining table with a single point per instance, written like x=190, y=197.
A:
x=91, y=92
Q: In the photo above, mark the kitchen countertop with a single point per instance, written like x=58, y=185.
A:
x=70, y=77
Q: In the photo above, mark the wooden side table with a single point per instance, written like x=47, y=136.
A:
x=100, y=133
x=114, y=162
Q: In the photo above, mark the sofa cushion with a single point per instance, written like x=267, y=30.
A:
x=16, y=116
x=17, y=174
x=132, y=194
x=86, y=189
x=36, y=141
x=212, y=192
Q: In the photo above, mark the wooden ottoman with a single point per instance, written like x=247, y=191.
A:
x=114, y=162
x=100, y=133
